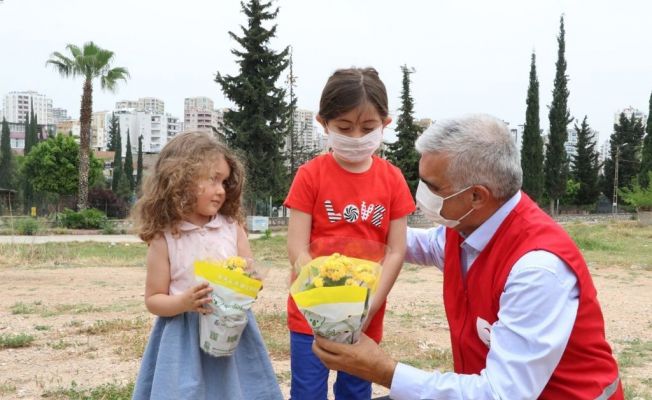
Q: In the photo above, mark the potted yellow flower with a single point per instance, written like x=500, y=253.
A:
x=335, y=285
x=236, y=283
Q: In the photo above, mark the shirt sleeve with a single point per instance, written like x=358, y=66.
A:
x=426, y=246
x=301, y=195
x=402, y=201
x=536, y=317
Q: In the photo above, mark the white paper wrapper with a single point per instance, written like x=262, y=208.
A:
x=233, y=295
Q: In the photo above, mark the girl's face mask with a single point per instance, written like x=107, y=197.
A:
x=352, y=149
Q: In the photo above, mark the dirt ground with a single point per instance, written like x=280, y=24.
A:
x=90, y=324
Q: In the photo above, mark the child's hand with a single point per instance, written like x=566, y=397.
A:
x=196, y=297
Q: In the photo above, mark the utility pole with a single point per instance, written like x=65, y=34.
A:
x=614, y=204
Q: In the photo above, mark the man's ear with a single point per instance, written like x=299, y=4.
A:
x=481, y=196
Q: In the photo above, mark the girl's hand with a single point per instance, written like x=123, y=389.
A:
x=196, y=297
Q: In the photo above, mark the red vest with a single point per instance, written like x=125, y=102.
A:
x=587, y=366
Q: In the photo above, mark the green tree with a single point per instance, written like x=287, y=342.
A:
x=114, y=132
x=626, y=141
x=257, y=126
x=89, y=62
x=646, y=153
x=117, y=163
x=28, y=190
x=556, y=163
x=129, y=164
x=532, y=147
x=7, y=162
x=586, y=165
x=139, y=166
x=53, y=163
x=402, y=152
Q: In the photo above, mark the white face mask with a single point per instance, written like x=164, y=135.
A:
x=355, y=149
x=431, y=205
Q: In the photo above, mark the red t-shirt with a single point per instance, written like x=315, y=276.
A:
x=345, y=204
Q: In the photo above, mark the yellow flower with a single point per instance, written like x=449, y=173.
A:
x=351, y=282
x=318, y=282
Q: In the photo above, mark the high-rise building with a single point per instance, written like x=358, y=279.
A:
x=59, y=114
x=17, y=106
x=305, y=131
x=156, y=129
x=199, y=115
x=144, y=104
x=151, y=104
x=99, y=129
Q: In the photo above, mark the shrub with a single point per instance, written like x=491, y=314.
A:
x=27, y=226
x=89, y=218
x=105, y=199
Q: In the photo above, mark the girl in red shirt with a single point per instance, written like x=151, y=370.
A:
x=346, y=193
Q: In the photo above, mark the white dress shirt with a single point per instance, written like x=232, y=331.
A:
x=537, y=313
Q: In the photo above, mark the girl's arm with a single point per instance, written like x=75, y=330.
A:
x=157, y=285
x=244, y=249
x=298, y=238
x=391, y=265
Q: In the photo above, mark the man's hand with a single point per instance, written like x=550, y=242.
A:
x=364, y=359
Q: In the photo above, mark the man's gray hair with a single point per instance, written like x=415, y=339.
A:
x=481, y=152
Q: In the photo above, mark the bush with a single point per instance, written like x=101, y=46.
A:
x=89, y=218
x=27, y=226
x=639, y=197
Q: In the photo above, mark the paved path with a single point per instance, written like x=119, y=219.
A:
x=18, y=239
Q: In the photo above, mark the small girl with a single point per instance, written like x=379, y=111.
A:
x=348, y=193
x=191, y=209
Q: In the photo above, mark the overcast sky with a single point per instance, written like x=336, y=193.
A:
x=469, y=56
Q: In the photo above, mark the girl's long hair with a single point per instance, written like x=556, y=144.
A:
x=169, y=192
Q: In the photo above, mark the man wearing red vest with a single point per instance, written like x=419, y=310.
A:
x=523, y=314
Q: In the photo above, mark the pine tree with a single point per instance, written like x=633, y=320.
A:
x=402, y=152
x=626, y=141
x=586, y=165
x=532, y=147
x=139, y=166
x=7, y=167
x=556, y=163
x=129, y=164
x=257, y=126
x=117, y=164
x=646, y=153
x=114, y=132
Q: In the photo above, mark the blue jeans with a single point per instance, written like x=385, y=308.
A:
x=310, y=376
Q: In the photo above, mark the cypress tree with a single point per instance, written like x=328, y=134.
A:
x=129, y=164
x=646, y=153
x=586, y=165
x=6, y=158
x=28, y=191
x=532, y=147
x=402, y=152
x=117, y=164
x=114, y=132
x=556, y=163
x=257, y=125
x=139, y=166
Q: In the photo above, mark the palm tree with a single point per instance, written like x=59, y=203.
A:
x=89, y=62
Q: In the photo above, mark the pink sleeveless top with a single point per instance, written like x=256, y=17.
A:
x=217, y=239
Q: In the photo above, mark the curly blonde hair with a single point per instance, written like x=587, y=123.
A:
x=169, y=193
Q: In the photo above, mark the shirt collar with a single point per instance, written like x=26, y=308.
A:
x=479, y=238
x=214, y=223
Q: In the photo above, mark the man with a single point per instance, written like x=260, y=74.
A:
x=522, y=309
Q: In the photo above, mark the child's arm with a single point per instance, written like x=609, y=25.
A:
x=298, y=237
x=244, y=249
x=391, y=265
x=157, y=286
